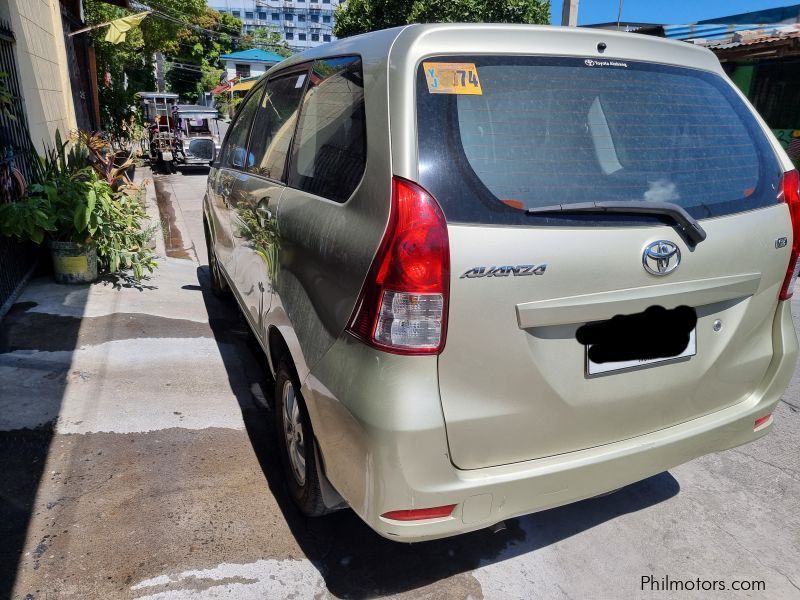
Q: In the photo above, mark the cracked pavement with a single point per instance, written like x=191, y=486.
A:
x=139, y=462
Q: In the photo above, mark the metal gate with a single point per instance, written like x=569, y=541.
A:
x=16, y=151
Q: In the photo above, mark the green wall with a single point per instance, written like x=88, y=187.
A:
x=743, y=77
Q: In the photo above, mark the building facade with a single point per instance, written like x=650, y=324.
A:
x=248, y=63
x=43, y=67
x=301, y=23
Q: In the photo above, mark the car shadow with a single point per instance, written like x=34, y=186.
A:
x=356, y=562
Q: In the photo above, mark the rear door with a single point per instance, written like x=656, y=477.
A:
x=259, y=188
x=518, y=133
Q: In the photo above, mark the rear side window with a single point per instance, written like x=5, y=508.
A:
x=330, y=146
x=236, y=143
x=274, y=124
x=547, y=131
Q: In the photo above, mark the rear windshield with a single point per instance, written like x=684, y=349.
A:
x=498, y=134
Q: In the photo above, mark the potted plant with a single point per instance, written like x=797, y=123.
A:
x=86, y=209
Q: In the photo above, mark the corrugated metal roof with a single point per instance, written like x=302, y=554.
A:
x=770, y=36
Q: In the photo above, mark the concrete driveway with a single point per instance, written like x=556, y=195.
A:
x=138, y=462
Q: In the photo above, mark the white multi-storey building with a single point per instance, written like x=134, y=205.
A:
x=302, y=23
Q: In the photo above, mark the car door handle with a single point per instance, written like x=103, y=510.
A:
x=263, y=212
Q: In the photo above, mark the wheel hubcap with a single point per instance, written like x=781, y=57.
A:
x=293, y=433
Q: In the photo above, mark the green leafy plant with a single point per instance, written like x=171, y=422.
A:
x=121, y=240
x=82, y=199
x=29, y=220
x=6, y=98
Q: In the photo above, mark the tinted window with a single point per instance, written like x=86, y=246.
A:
x=233, y=155
x=549, y=131
x=330, y=147
x=274, y=125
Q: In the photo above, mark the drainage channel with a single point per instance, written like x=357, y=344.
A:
x=173, y=238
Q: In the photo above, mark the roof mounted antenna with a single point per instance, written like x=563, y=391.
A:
x=619, y=14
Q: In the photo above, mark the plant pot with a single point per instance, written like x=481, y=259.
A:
x=73, y=263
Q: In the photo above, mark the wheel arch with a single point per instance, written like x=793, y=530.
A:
x=278, y=349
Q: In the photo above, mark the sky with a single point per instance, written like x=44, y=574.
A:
x=661, y=11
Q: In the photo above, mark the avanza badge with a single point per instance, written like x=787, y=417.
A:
x=452, y=78
x=504, y=271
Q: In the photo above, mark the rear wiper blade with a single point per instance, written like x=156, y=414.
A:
x=688, y=226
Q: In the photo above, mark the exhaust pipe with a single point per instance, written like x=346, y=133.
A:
x=498, y=527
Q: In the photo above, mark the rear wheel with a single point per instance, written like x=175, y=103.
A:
x=296, y=441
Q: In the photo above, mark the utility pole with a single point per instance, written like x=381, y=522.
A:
x=569, y=13
x=160, y=72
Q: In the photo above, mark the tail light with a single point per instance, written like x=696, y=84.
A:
x=420, y=514
x=403, y=305
x=761, y=421
x=790, y=194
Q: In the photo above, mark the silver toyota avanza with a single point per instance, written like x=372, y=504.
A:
x=498, y=268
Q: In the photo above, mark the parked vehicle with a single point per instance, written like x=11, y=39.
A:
x=196, y=135
x=158, y=110
x=500, y=268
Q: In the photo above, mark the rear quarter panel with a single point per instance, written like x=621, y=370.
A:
x=326, y=248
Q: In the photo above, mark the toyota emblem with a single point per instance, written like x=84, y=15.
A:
x=661, y=258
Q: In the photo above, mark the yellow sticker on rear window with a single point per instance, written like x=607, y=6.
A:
x=452, y=78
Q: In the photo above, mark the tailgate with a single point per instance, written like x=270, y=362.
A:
x=520, y=152
x=513, y=378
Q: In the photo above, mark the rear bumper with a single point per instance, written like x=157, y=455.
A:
x=380, y=430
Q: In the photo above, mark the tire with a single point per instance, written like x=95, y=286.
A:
x=291, y=421
x=218, y=285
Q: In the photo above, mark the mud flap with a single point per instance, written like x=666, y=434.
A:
x=330, y=497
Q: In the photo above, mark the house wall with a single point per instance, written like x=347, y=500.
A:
x=256, y=68
x=42, y=62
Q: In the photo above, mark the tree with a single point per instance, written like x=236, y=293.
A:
x=196, y=68
x=194, y=64
x=126, y=68
x=266, y=39
x=361, y=16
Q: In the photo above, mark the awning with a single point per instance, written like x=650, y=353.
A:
x=244, y=86
x=198, y=114
x=222, y=87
